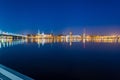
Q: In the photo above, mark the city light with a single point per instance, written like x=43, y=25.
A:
x=42, y=38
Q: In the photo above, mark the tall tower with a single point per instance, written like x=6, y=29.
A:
x=84, y=34
x=38, y=32
x=71, y=38
x=84, y=38
x=70, y=34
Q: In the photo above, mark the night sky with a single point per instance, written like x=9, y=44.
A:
x=60, y=16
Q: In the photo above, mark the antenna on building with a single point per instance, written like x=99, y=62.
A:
x=84, y=37
x=84, y=33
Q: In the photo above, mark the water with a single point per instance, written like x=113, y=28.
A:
x=62, y=61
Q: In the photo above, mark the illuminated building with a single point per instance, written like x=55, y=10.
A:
x=43, y=37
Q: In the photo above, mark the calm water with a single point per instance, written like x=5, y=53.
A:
x=60, y=61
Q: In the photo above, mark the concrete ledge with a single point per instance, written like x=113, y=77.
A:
x=9, y=74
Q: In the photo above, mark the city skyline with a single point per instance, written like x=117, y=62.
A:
x=59, y=39
x=62, y=33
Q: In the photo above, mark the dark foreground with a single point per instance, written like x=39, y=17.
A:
x=60, y=61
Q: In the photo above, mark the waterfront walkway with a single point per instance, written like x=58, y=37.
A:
x=9, y=74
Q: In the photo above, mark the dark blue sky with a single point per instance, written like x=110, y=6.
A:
x=26, y=16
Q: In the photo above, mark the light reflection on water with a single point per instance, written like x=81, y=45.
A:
x=73, y=61
x=10, y=42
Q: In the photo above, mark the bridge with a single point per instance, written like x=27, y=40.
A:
x=8, y=35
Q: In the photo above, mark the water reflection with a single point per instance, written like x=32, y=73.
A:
x=42, y=42
x=71, y=41
x=10, y=42
x=84, y=43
